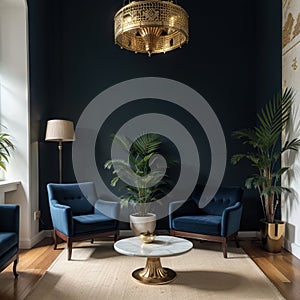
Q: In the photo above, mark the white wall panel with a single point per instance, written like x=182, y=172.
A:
x=291, y=78
x=15, y=114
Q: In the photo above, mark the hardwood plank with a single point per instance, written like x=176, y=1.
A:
x=272, y=272
x=32, y=265
x=282, y=268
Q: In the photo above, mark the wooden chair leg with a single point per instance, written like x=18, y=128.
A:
x=54, y=239
x=69, y=243
x=15, y=267
x=224, y=247
x=236, y=238
x=116, y=237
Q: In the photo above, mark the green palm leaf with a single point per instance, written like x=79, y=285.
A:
x=265, y=141
x=273, y=118
x=292, y=145
x=146, y=144
x=5, y=148
x=147, y=188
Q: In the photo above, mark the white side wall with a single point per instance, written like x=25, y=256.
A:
x=15, y=114
x=291, y=78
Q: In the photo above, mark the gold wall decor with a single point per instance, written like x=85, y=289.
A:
x=287, y=30
x=151, y=26
x=296, y=30
x=285, y=8
x=284, y=85
x=294, y=64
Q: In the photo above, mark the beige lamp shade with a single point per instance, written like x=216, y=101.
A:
x=60, y=130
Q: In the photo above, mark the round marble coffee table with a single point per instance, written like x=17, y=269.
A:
x=163, y=246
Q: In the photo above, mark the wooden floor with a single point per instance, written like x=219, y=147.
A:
x=32, y=265
x=283, y=269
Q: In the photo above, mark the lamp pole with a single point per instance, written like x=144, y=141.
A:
x=60, y=159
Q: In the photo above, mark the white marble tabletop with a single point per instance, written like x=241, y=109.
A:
x=163, y=245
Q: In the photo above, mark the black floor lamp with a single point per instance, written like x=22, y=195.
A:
x=60, y=131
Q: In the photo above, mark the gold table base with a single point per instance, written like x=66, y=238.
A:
x=154, y=273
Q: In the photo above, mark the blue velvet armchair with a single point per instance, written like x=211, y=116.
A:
x=77, y=214
x=9, y=236
x=218, y=221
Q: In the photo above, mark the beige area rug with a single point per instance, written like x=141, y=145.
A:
x=98, y=272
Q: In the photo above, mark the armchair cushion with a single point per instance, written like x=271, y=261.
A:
x=62, y=217
x=9, y=218
x=8, y=240
x=94, y=222
x=108, y=208
x=71, y=195
x=8, y=255
x=9, y=236
x=202, y=224
x=231, y=219
x=225, y=197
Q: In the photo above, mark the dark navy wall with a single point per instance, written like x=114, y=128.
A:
x=269, y=51
x=222, y=62
x=40, y=57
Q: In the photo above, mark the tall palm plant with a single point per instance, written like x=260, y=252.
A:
x=265, y=141
x=5, y=147
x=148, y=185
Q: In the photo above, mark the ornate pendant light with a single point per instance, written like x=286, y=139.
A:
x=151, y=26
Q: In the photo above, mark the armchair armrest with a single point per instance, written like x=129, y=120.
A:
x=9, y=218
x=108, y=208
x=62, y=218
x=181, y=208
x=231, y=219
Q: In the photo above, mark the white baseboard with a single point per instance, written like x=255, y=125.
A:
x=29, y=243
x=126, y=233
x=249, y=234
x=48, y=233
x=292, y=247
x=129, y=232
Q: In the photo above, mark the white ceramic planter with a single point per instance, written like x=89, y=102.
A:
x=140, y=224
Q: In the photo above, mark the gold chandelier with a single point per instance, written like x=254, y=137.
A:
x=151, y=26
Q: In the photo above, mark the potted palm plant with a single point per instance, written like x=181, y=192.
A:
x=149, y=185
x=5, y=147
x=264, y=139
